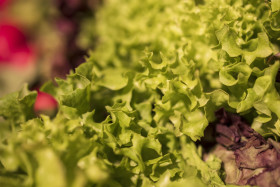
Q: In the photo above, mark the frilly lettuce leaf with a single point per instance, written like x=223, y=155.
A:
x=18, y=107
x=130, y=115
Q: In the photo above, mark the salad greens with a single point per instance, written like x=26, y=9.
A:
x=248, y=158
x=130, y=115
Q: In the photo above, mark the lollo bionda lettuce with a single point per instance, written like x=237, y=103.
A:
x=135, y=112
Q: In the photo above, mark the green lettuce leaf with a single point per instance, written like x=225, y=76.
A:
x=132, y=114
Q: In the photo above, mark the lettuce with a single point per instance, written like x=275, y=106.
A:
x=248, y=157
x=130, y=115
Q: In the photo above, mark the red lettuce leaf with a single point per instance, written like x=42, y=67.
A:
x=248, y=158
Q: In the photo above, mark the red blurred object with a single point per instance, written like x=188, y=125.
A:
x=14, y=47
x=45, y=102
x=3, y=3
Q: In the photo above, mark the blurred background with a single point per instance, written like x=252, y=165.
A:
x=41, y=40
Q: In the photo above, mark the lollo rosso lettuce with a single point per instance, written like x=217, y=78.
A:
x=134, y=113
x=248, y=158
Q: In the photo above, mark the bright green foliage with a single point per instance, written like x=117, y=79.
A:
x=18, y=107
x=131, y=114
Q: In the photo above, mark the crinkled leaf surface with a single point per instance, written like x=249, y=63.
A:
x=131, y=114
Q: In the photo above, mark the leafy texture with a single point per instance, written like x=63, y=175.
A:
x=248, y=158
x=18, y=107
x=130, y=116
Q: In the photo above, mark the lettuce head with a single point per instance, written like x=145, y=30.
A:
x=134, y=113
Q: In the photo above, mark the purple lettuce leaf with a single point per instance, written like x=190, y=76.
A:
x=248, y=158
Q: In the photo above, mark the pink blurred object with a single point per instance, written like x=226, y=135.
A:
x=3, y=3
x=45, y=102
x=14, y=48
